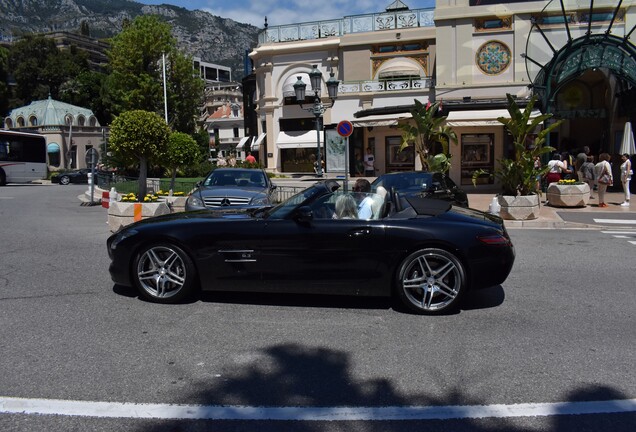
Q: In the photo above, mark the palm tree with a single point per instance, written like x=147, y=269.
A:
x=424, y=130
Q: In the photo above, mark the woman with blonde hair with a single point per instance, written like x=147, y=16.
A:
x=604, y=178
x=346, y=207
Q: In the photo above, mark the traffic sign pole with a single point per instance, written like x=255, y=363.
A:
x=345, y=129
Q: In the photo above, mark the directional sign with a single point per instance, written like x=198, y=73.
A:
x=345, y=128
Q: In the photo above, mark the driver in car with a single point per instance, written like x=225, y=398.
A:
x=362, y=189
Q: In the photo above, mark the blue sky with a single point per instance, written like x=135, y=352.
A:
x=287, y=11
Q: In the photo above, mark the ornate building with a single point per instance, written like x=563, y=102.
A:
x=70, y=130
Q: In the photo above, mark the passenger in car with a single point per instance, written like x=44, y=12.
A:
x=346, y=207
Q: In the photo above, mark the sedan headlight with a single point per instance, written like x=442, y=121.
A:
x=195, y=201
x=121, y=237
x=260, y=200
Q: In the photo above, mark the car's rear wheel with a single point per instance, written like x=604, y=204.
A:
x=64, y=180
x=3, y=178
x=164, y=273
x=431, y=281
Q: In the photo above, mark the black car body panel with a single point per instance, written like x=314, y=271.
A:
x=288, y=249
x=435, y=185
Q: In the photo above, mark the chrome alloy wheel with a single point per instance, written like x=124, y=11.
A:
x=431, y=281
x=162, y=273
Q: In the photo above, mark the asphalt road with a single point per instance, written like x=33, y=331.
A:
x=559, y=332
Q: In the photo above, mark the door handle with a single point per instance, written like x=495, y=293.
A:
x=360, y=232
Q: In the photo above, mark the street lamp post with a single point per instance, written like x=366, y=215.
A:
x=318, y=108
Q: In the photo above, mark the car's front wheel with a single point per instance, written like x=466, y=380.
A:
x=164, y=273
x=431, y=281
x=64, y=180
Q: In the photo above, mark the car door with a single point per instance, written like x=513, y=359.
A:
x=322, y=254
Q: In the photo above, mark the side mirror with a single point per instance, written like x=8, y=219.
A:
x=304, y=214
x=273, y=186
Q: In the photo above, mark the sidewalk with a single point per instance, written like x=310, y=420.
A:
x=548, y=217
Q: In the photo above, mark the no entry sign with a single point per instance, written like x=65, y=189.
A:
x=345, y=128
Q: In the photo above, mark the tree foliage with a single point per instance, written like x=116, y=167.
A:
x=518, y=174
x=424, y=130
x=181, y=150
x=136, y=80
x=139, y=136
x=40, y=69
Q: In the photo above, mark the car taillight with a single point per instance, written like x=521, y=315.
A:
x=494, y=240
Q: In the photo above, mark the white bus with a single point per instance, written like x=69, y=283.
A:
x=22, y=157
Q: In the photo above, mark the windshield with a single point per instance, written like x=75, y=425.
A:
x=412, y=182
x=282, y=210
x=241, y=178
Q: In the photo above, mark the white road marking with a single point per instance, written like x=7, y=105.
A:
x=632, y=242
x=620, y=232
x=7, y=197
x=616, y=221
x=218, y=412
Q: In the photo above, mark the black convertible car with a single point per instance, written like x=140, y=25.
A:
x=426, y=252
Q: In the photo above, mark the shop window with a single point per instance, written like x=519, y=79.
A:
x=477, y=154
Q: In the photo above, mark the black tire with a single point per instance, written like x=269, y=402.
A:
x=64, y=180
x=3, y=178
x=163, y=273
x=431, y=281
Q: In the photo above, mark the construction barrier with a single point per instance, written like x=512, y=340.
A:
x=105, y=200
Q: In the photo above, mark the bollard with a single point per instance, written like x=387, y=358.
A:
x=105, y=200
x=494, y=207
x=113, y=194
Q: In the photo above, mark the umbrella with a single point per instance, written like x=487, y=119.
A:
x=627, y=146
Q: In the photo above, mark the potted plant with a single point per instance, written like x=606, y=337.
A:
x=568, y=193
x=518, y=175
x=424, y=130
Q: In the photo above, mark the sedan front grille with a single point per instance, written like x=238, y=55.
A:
x=225, y=201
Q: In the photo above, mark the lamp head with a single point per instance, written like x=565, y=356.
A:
x=299, y=89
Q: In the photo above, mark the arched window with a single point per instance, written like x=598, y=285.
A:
x=8, y=123
x=20, y=121
x=33, y=121
x=53, y=150
x=92, y=121
x=81, y=120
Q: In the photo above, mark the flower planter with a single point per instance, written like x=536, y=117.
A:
x=522, y=207
x=176, y=203
x=121, y=214
x=568, y=195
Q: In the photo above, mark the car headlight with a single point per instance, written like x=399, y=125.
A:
x=195, y=201
x=260, y=200
x=121, y=237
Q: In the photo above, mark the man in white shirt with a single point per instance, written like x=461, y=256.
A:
x=362, y=190
x=369, y=160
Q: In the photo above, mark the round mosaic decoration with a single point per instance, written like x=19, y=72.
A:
x=493, y=57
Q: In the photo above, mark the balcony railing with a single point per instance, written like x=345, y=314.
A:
x=348, y=25
x=385, y=85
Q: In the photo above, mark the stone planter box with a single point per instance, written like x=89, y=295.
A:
x=176, y=203
x=572, y=195
x=523, y=207
x=121, y=214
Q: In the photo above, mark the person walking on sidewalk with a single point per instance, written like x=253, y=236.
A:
x=603, y=175
x=626, y=176
x=587, y=170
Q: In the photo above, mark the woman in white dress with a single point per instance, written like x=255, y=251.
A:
x=626, y=176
